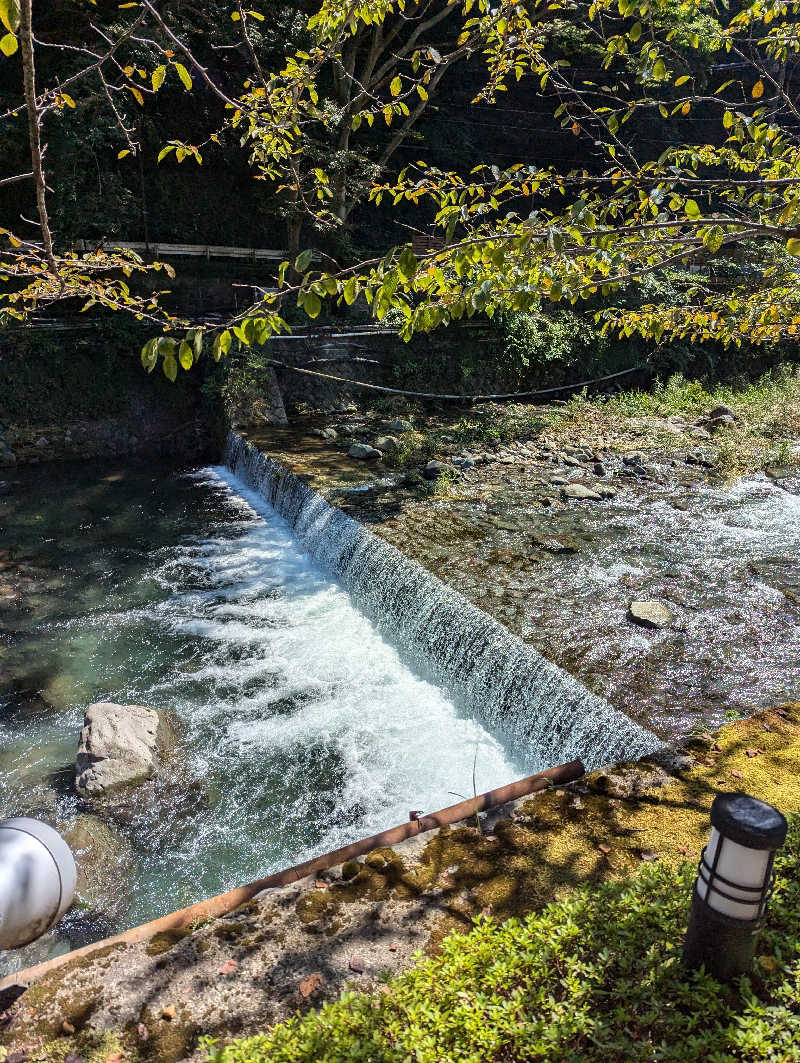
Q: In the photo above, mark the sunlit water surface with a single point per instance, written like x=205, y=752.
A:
x=300, y=727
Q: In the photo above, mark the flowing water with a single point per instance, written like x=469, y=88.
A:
x=541, y=712
x=301, y=727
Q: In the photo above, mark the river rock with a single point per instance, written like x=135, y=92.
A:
x=554, y=544
x=400, y=426
x=387, y=444
x=102, y=856
x=652, y=614
x=364, y=452
x=434, y=469
x=327, y=435
x=119, y=745
x=580, y=492
x=722, y=411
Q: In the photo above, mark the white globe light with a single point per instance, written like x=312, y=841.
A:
x=37, y=880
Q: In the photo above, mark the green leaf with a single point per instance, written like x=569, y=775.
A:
x=635, y=31
x=407, y=264
x=185, y=355
x=691, y=208
x=396, y=86
x=350, y=291
x=793, y=246
x=727, y=119
x=659, y=70
x=9, y=15
x=713, y=238
x=197, y=342
x=170, y=368
x=165, y=151
x=183, y=74
x=8, y=44
x=150, y=355
x=303, y=260
x=157, y=77
x=312, y=304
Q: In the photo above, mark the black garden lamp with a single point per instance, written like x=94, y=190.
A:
x=734, y=881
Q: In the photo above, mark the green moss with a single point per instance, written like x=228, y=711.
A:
x=167, y=939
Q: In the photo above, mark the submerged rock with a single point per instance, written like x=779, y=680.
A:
x=102, y=855
x=652, y=614
x=327, y=435
x=581, y=492
x=119, y=745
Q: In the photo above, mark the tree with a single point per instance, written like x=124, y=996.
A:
x=724, y=83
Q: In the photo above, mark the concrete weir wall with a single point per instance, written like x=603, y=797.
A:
x=542, y=714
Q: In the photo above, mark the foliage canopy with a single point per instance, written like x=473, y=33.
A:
x=689, y=126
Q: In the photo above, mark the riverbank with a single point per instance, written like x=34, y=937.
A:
x=648, y=574
x=363, y=922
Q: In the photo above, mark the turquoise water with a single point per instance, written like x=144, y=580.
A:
x=300, y=727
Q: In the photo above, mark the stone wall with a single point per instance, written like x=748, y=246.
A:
x=111, y=437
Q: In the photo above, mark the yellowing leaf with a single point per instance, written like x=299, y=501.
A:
x=157, y=77
x=136, y=94
x=123, y=153
x=758, y=90
x=256, y=15
x=793, y=246
x=9, y=15
x=691, y=208
x=183, y=74
x=686, y=108
x=8, y=44
x=185, y=355
x=396, y=86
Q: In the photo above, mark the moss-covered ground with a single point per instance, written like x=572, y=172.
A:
x=595, y=976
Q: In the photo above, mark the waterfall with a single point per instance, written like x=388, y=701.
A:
x=539, y=711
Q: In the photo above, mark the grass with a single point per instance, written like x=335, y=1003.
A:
x=768, y=424
x=594, y=977
x=768, y=412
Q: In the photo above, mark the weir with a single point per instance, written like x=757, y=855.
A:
x=537, y=709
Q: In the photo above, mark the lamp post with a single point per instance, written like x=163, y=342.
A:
x=37, y=880
x=734, y=880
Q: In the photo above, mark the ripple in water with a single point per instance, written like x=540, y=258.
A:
x=302, y=729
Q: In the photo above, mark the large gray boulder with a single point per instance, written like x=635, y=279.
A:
x=119, y=745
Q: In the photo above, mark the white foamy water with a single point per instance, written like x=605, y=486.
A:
x=292, y=673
